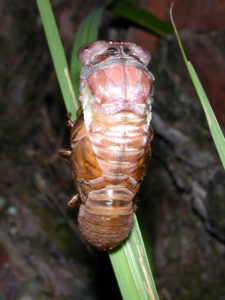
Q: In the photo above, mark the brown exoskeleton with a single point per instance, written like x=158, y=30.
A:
x=110, y=141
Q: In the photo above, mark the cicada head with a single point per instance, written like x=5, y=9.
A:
x=98, y=51
x=115, y=77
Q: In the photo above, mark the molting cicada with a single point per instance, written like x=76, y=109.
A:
x=110, y=141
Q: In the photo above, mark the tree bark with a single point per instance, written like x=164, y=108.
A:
x=42, y=255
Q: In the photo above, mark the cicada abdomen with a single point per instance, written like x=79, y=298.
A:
x=110, y=142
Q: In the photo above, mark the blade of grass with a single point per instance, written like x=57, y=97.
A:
x=129, y=261
x=58, y=56
x=134, y=13
x=214, y=127
x=87, y=32
x=131, y=267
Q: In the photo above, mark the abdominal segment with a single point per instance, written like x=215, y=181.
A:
x=109, y=161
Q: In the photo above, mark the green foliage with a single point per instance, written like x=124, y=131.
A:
x=140, y=16
x=58, y=56
x=132, y=269
x=214, y=127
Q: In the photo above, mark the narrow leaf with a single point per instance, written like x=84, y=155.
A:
x=58, y=56
x=131, y=267
x=129, y=261
x=210, y=116
x=134, y=13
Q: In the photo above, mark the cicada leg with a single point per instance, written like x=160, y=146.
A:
x=136, y=200
x=73, y=201
x=70, y=123
x=65, y=154
x=150, y=133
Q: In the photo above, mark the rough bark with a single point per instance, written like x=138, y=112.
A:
x=42, y=255
x=184, y=192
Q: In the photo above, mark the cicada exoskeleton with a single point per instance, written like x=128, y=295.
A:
x=110, y=141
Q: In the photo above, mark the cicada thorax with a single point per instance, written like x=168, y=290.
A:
x=111, y=140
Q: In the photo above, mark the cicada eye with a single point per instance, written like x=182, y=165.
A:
x=83, y=50
x=112, y=50
x=126, y=50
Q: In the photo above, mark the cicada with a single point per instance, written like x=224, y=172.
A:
x=110, y=141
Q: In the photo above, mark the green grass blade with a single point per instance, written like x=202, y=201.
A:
x=129, y=261
x=87, y=32
x=140, y=16
x=132, y=270
x=58, y=56
x=214, y=127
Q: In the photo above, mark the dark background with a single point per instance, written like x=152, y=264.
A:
x=42, y=255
